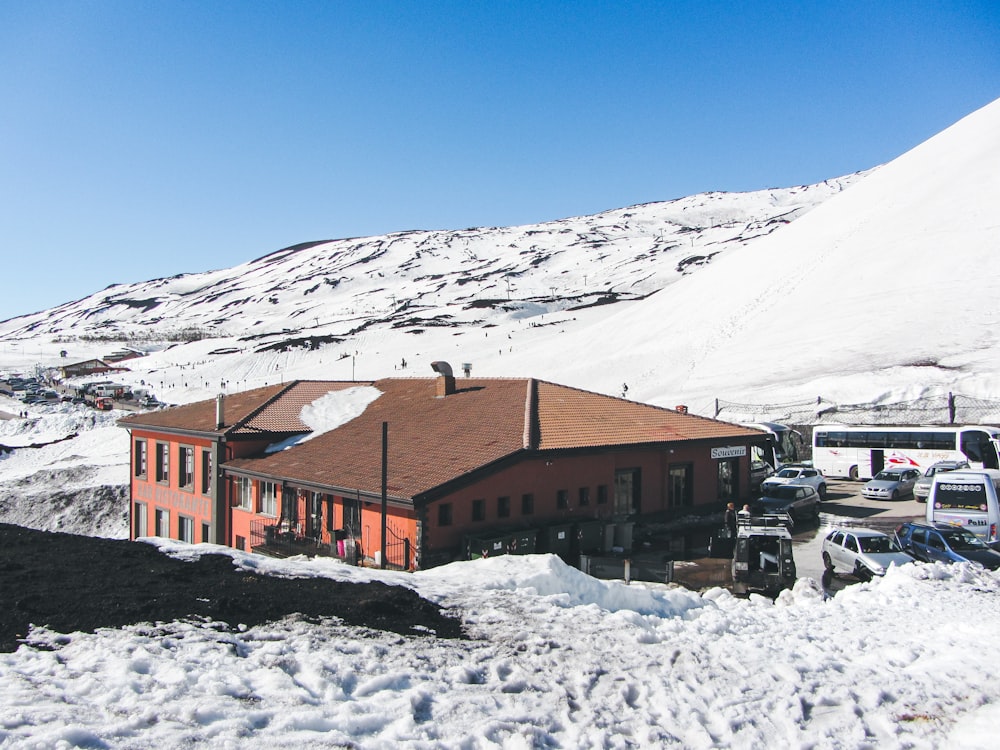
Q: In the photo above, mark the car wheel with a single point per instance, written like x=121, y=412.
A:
x=827, y=561
x=862, y=573
x=895, y=495
x=853, y=474
x=822, y=492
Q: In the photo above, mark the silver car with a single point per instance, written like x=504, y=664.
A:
x=863, y=552
x=794, y=474
x=923, y=486
x=891, y=484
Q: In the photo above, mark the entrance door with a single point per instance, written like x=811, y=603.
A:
x=878, y=460
x=627, y=488
x=680, y=489
x=139, y=521
x=289, y=506
x=314, y=516
x=352, y=517
x=729, y=483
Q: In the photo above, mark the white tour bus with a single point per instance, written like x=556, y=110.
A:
x=786, y=442
x=784, y=448
x=967, y=499
x=862, y=452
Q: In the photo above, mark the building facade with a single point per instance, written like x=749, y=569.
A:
x=419, y=466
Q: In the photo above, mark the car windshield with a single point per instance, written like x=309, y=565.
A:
x=782, y=492
x=788, y=473
x=876, y=544
x=958, y=539
x=888, y=476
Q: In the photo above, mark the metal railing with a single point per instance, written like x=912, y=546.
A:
x=272, y=537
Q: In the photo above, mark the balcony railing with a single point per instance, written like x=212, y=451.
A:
x=277, y=539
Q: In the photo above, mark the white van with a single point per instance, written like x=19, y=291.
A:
x=968, y=499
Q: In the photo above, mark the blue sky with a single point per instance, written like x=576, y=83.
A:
x=148, y=139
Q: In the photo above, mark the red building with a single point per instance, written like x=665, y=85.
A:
x=468, y=458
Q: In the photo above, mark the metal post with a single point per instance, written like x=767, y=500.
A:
x=385, y=487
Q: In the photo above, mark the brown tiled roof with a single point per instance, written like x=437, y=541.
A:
x=430, y=440
x=434, y=440
x=273, y=408
x=571, y=418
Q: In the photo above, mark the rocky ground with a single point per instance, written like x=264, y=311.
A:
x=73, y=583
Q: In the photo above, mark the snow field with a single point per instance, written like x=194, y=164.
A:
x=555, y=659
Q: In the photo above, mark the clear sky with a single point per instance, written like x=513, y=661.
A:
x=153, y=138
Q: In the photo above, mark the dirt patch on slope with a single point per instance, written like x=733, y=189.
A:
x=73, y=583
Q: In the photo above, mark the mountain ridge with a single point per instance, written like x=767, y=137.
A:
x=868, y=288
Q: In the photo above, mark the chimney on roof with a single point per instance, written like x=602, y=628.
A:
x=681, y=409
x=220, y=412
x=445, y=381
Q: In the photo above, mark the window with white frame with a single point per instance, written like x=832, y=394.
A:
x=163, y=462
x=268, y=499
x=185, y=529
x=140, y=458
x=244, y=489
x=185, y=467
x=162, y=518
x=206, y=472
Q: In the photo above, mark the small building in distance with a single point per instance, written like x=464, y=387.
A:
x=88, y=367
x=475, y=458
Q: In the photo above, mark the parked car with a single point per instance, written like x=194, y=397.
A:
x=863, y=552
x=922, y=488
x=891, y=484
x=945, y=543
x=759, y=471
x=794, y=474
x=799, y=501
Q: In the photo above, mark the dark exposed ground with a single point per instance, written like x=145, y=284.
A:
x=75, y=583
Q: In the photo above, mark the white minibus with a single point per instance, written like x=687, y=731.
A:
x=968, y=499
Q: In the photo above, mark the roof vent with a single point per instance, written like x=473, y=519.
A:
x=445, y=381
x=681, y=409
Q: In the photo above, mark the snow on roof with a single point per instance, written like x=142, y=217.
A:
x=330, y=411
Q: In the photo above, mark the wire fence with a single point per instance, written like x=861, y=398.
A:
x=950, y=408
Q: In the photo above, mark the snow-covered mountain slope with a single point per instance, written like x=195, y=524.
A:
x=887, y=290
x=333, y=290
x=882, y=287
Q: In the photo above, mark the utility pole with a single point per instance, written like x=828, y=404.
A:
x=385, y=487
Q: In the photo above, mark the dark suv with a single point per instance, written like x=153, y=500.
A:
x=941, y=542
